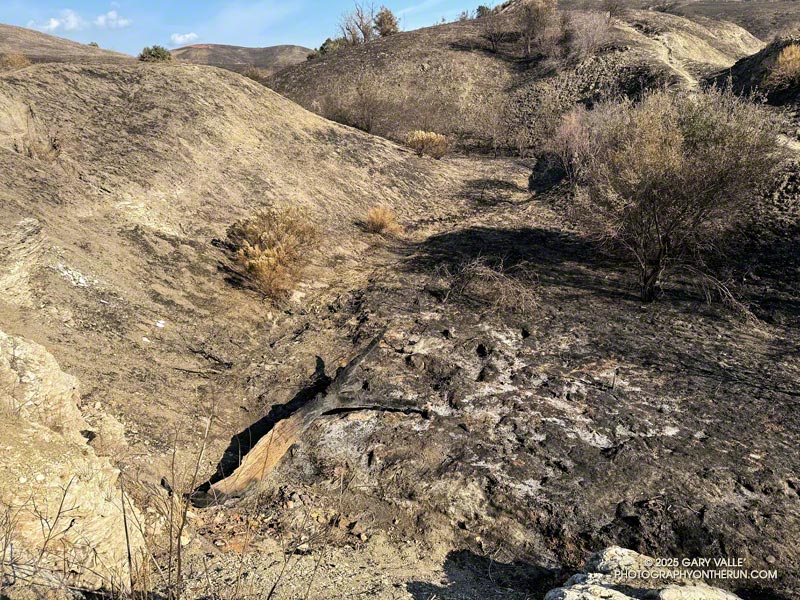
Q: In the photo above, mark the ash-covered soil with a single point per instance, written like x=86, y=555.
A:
x=539, y=437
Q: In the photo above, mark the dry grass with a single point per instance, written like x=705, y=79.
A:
x=786, y=70
x=433, y=144
x=505, y=289
x=382, y=220
x=13, y=61
x=272, y=248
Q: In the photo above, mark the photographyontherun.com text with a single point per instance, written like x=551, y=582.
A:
x=696, y=569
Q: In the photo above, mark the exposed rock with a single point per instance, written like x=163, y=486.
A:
x=59, y=498
x=620, y=574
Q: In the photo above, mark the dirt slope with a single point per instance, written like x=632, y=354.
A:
x=752, y=74
x=762, y=18
x=445, y=78
x=130, y=173
x=40, y=47
x=238, y=58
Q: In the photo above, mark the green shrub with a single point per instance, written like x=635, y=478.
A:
x=386, y=23
x=155, y=54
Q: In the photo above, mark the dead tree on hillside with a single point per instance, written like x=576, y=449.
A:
x=358, y=26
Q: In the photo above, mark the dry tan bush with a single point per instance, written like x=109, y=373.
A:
x=13, y=61
x=570, y=143
x=428, y=142
x=272, y=248
x=382, y=220
x=666, y=178
x=588, y=31
x=786, y=70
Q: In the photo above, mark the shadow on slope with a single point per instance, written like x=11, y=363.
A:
x=472, y=576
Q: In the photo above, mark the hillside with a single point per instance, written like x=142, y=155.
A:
x=495, y=425
x=238, y=58
x=446, y=78
x=762, y=18
x=753, y=74
x=40, y=47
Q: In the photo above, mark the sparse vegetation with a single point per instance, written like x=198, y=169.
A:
x=93, y=44
x=256, y=74
x=786, y=70
x=663, y=180
x=495, y=30
x=386, y=23
x=272, y=248
x=382, y=220
x=428, y=143
x=155, y=54
x=587, y=32
x=13, y=61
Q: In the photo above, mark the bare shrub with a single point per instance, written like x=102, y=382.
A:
x=535, y=21
x=570, y=143
x=786, y=70
x=272, y=248
x=506, y=289
x=359, y=104
x=428, y=142
x=358, y=26
x=588, y=32
x=382, y=220
x=13, y=61
x=495, y=30
x=666, y=178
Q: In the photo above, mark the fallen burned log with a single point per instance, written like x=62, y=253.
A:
x=269, y=450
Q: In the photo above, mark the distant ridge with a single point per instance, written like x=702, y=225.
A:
x=237, y=58
x=40, y=47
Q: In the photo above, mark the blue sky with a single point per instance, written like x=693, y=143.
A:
x=127, y=26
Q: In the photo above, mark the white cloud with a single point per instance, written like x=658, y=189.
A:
x=181, y=39
x=67, y=20
x=111, y=20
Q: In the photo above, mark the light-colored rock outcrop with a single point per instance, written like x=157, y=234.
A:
x=59, y=501
x=620, y=574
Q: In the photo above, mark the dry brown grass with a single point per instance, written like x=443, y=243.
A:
x=272, y=248
x=433, y=144
x=382, y=220
x=13, y=61
x=508, y=289
x=786, y=70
